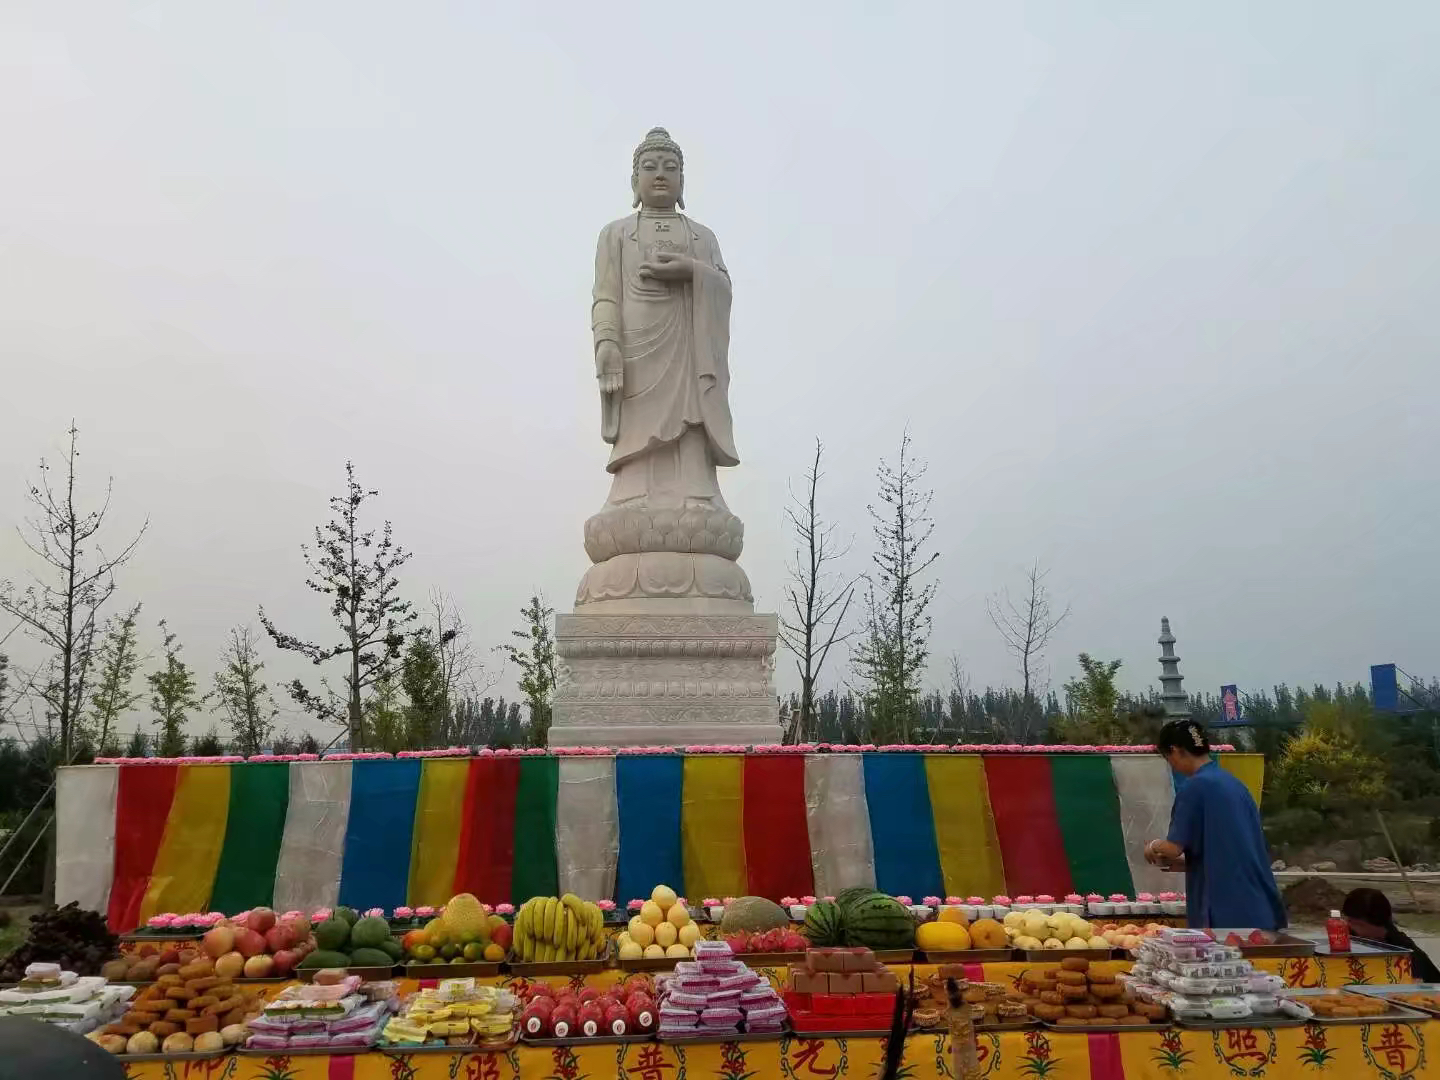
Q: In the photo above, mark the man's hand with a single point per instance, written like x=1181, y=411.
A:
x=668, y=266
x=609, y=367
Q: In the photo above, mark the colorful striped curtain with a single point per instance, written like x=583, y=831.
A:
x=136, y=840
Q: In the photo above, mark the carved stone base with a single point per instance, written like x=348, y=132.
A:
x=667, y=576
x=665, y=680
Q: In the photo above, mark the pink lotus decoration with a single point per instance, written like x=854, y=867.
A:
x=974, y=900
x=606, y=906
x=1118, y=898
x=952, y=901
x=905, y=900
x=1002, y=900
x=1044, y=898
x=374, y=913
x=403, y=912
x=788, y=901
x=710, y=901
x=808, y=901
x=161, y=922
x=319, y=915
x=635, y=905
x=1024, y=899
x=291, y=916
x=504, y=909
x=1074, y=898
x=931, y=901
x=424, y=911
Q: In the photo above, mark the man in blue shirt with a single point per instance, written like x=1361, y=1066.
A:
x=1215, y=836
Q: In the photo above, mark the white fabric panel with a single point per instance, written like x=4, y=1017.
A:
x=85, y=835
x=841, y=851
x=307, y=874
x=587, y=827
x=1143, y=783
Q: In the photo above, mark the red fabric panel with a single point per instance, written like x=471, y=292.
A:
x=1105, y=1063
x=142, y=806
x=777, y=839
x=487, y=830
x=1031, y=845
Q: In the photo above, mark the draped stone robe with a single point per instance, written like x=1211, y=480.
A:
x=671, y=424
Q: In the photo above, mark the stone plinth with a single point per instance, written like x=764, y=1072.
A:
x=665, y=680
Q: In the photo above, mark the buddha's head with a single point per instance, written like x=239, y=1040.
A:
x=657, y=172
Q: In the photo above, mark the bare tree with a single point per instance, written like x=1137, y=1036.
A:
x=63, y=613
x=462, y=674
x=243, y=694
x=1026, y=628
x=365, y=602
x=818, y=598
x=895, y=643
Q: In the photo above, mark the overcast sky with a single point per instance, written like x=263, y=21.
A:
x=1154, y=287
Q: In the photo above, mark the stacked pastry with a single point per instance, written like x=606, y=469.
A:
x=715, y=994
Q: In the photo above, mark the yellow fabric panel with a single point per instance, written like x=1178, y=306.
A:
x=1249, y=769
x=189, y=854
x=964, y=825
x=435, y=836
x=712, y=826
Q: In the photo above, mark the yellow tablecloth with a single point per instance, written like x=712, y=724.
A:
x=1367, y=1052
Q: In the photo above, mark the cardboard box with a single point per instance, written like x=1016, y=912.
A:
x=857, y=960
x=825, y=960
x=810, y=982
x=846, y=982
x=879, y=982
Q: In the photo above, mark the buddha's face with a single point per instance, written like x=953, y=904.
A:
x=659, y=180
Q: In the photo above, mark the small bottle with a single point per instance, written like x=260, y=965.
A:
x=1339, y=933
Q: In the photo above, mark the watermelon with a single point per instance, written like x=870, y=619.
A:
x=878, y=921
x=850, y=895
x=823, y=925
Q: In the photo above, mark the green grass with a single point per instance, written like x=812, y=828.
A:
x=11, y=936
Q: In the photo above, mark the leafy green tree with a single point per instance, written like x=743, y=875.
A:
x=118, y=662
x=243, y=695
x=138, y=745
x=308, y=744
x=422, y=677
x=1328, y=773
x=894, y=644
x=536, y=661
x=358, y=573
x=1093, y=703
x=174, y=695
x=385, y=716
x=208, y=745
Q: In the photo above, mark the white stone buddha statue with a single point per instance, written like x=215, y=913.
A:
x=661, y=324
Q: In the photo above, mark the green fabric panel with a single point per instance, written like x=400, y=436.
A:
x=1089, y=811
x=535, y=872
x=259, y=798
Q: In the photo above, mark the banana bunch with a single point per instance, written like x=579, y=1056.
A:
x=554, y=930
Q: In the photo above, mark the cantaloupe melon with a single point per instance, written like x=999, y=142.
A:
x=988, y=934
x=952, y=915
x=942, y=937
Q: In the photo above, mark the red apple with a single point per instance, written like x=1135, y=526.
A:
x=261, y=919
x=616, y=1021
x=279, y=937
x=562, y=1021
x=285, y=961
x=259, y=967
x=218, y=942
x=503, y=936
x=248, y=943
x=590, y=1018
